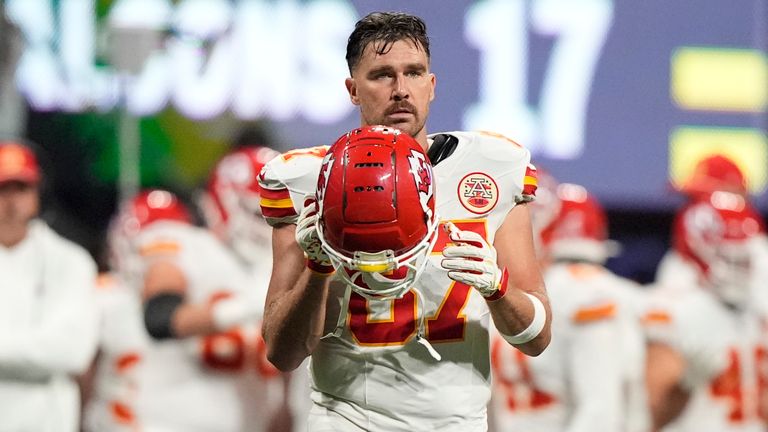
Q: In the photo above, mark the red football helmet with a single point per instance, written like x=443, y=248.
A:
x=715, y=173
x=146, y=208
x=580, y=229
x=714, y=233
x=231, y=204
x=376, y=206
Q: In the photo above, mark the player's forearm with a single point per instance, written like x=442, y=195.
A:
x=668, y=406
x=515, y=312
x=193, y=320
x=294, y=321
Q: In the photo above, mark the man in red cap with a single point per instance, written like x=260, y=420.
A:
x=19, y=198
x=47, y=314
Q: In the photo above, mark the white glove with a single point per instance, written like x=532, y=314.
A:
x=472, y=261
x=236, y=310
x=306, y=237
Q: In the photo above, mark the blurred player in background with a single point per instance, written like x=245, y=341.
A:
x=677, y=269
x=707, y=356
x=713, y=173
x=47, y=311
x=231, y=206
x=188, y=337
x=591, y=376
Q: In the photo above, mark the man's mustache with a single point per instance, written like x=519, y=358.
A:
x=401, y=107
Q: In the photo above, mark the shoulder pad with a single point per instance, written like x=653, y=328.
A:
x=442, y=146
x=292, y=171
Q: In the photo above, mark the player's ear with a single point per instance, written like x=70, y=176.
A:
x=352, y=90
x=433, y=81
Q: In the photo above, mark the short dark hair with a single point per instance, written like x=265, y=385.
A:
x=384, y=29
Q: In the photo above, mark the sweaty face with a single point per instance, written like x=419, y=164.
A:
x=394, y=89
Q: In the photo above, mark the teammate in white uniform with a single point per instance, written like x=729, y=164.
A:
x=677, y=270
x=707, y=361
x=47, y=309
x=114, y=386
x=712, y=173
x=591, y=376
x=231, y=206
x=189, y=353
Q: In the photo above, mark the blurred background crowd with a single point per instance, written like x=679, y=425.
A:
x=647, y=106
x=124, y=93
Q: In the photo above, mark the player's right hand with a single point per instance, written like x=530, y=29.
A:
x=309, y=242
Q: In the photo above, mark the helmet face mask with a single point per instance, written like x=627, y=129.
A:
x=729, y=272
x=382, y=275
x=716, y=235
x=375, y=198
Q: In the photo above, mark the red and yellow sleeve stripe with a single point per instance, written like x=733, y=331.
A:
x=530, y=181
x=276, y=204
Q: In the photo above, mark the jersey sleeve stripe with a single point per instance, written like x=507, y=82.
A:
x=530, y=181
x=276, y=203
x=595, y=313
x=657, y=317
x=160, y=248
x=275, y=194
x=278, y=214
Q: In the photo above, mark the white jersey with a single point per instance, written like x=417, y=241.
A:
x=47, y=331
x=196, y=384
x=726, y=361
x=577, y=383
x=675, y=272
x=123, y=343
x=372, y=374
x=632, y=300
x=266, y=388
x=760, y=274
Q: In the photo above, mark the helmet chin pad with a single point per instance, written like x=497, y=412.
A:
x=382, y=275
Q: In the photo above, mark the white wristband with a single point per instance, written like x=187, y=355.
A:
x=534, y=328
x=233, y=311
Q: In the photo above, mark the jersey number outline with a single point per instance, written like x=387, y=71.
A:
x=447, y=325
x=728, y=386
x=234, y=350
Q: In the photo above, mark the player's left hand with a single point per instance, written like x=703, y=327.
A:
x=472, y=261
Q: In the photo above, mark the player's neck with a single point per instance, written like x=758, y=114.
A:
x=11, y=236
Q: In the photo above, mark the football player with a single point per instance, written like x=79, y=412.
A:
x=232, y=210
x=176, y=354
x=383, y=356
x=591, y=376
x=713, y=173
x=47, y=309
x=707, y=362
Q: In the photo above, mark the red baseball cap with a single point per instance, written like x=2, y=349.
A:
x=18, y=163
x=715, y=173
